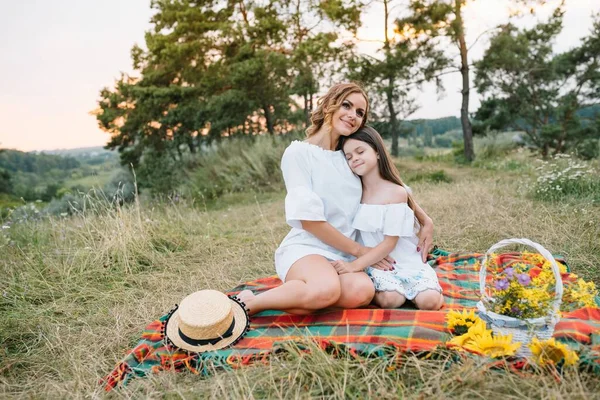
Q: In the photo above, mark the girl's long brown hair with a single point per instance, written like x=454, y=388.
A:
x=330, y=103
x=387, y=169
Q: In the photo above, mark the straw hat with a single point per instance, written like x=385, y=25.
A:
x=207, y=320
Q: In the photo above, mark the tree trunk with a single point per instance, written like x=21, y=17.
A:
x=393, y=121
x=464, y=71
x=269, y=119
x=306, y=110
x=389, y=91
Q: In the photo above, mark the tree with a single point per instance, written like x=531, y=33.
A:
x=5, y=182
x=444, y=18
x=407, y=59
x=530, y=88
x=216, y=68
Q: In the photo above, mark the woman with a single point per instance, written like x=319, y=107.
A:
x=323, y=197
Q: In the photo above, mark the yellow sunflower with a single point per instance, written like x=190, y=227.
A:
x=496, y=346
x=551, y=352
x=460, y=322
x=468, y=341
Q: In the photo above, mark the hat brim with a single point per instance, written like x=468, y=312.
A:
x=242, y=324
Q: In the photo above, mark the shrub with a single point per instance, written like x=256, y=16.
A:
x=411, y=151
x=588, y=149
x=565, y=176
x=430, y=176
x=238, y=164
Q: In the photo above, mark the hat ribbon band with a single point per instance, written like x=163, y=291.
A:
x=202, y=342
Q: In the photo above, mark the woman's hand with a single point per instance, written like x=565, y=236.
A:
x=343, y=267
x=425, y=239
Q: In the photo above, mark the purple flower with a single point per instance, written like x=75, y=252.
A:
x=524, y=279
x=510, y=272
x=502, y=284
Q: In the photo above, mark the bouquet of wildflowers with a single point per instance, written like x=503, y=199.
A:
x=526, y=295
x=526, y=289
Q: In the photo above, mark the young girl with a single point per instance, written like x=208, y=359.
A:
x=386, y=222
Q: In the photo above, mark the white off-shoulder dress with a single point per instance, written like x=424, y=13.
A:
x=320, y=187
x=411, y=275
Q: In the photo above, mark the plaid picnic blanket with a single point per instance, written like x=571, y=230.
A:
x=370, y=331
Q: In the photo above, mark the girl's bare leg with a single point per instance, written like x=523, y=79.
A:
x=389, y=299
x=429, y=300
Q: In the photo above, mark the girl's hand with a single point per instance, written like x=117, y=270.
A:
x=425, y=240
x=387, y=264
x=343, y=267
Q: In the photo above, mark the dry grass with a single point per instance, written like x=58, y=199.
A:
x=78, y=291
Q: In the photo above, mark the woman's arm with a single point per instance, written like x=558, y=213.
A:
x=426, y=232
x=421, y=215
x=326, y=233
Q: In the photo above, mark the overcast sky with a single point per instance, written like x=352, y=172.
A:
x=55, y=57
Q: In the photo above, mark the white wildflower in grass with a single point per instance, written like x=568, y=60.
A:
x=564, y=176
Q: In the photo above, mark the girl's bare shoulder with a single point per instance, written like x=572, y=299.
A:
x=395, y=193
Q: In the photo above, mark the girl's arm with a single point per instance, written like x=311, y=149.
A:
x=375, y=254
x=326, y=233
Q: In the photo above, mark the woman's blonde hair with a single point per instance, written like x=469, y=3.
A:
x=330, y=103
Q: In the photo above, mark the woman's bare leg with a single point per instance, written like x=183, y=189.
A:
x=357, y=290
x=311, y=284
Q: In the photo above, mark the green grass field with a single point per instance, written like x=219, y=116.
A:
x=76, y=292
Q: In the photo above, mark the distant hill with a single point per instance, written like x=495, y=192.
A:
x=437, y=126
x=81, y=152
x=18, y=161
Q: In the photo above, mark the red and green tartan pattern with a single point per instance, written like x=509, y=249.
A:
x=361, y=331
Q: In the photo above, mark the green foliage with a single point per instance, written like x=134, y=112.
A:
x=531, y=88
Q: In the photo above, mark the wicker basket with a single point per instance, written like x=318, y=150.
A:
x=522, y=330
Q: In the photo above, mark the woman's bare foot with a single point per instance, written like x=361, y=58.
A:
x=247, y=297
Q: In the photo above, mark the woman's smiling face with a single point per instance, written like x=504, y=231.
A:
x=361, y=157
x=349, y=117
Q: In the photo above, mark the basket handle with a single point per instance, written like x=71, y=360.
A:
x=558, y=287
